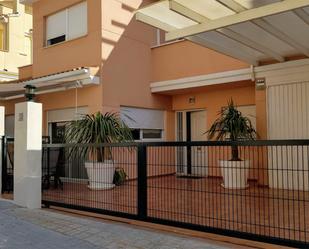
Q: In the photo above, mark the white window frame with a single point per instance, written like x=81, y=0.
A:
x=142, y=139
x=67, y=32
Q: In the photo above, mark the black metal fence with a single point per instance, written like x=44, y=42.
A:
x=7, y=163
x=262, y=196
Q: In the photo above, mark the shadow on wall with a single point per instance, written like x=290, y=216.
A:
x=126, y=60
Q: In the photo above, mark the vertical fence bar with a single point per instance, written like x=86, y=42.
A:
x=4, y=164
x=1, y=162
x=142, y=181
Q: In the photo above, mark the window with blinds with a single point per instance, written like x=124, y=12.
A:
x=67, y=24
x=145, y=124
x=4, y=36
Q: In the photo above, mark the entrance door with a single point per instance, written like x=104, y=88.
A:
x=191, y=126
x=198, y=153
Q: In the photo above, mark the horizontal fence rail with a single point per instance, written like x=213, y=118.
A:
x=263, y=195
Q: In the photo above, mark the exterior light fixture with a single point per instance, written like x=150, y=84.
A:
x=30, y=92
x=260, y=83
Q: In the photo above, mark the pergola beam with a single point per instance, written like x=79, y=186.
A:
x=232, y=5
x=153, y=22
x=182, y=10
x=244, y=16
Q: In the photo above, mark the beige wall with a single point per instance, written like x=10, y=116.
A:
x=19, y=49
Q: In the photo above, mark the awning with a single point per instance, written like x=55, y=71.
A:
x=77, y=77
x=253, y=31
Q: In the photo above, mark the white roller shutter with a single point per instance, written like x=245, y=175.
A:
x=140, y=118
x=56, y=25
x=288, y=118
x=77, y=20
x=68, y=114
x=288, y=111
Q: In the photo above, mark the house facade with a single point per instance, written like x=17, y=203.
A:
x=15, y=38
x=91, y=56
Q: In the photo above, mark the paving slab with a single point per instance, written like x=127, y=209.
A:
x=43, y=229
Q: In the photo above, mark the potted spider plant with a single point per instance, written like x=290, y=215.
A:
x=231, y=125
x=91, y=131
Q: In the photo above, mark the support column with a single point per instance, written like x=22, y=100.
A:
x=2, y=132
x=28, y=154
x=261, y=126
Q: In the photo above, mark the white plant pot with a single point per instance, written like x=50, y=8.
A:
x=100, y=175
x=235, y=174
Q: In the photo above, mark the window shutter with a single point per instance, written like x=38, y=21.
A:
x=140, y=118
x=77, y=20
x=56, y=25
x=68, y=114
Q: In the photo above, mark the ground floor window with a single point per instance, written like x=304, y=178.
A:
x=57, y=132
x=9, y=125
x=147, y=134
x=145, y=124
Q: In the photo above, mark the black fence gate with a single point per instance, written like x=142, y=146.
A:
x=7, y=162
x=264, y=196
x=7, y=157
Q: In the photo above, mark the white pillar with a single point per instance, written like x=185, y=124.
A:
x=27, y=154
x=2, y=132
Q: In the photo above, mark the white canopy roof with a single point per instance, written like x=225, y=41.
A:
x=249, y=30
x=77, y=77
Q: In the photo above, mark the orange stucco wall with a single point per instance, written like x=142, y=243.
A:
x=116, y=43
x=25, y=72
x=85, y=51
x=213, y=98
x=185, y=59
x=126, y=58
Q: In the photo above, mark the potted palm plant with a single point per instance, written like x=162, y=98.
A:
x=93, y=130
x=233, y=126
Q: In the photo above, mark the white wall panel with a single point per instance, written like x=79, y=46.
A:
x=288, y=111
x=288, y=118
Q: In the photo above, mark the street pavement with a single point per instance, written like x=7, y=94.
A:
x=22, y=228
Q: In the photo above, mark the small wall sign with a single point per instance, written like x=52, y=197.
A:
x=192, y=100
x=21, y=117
